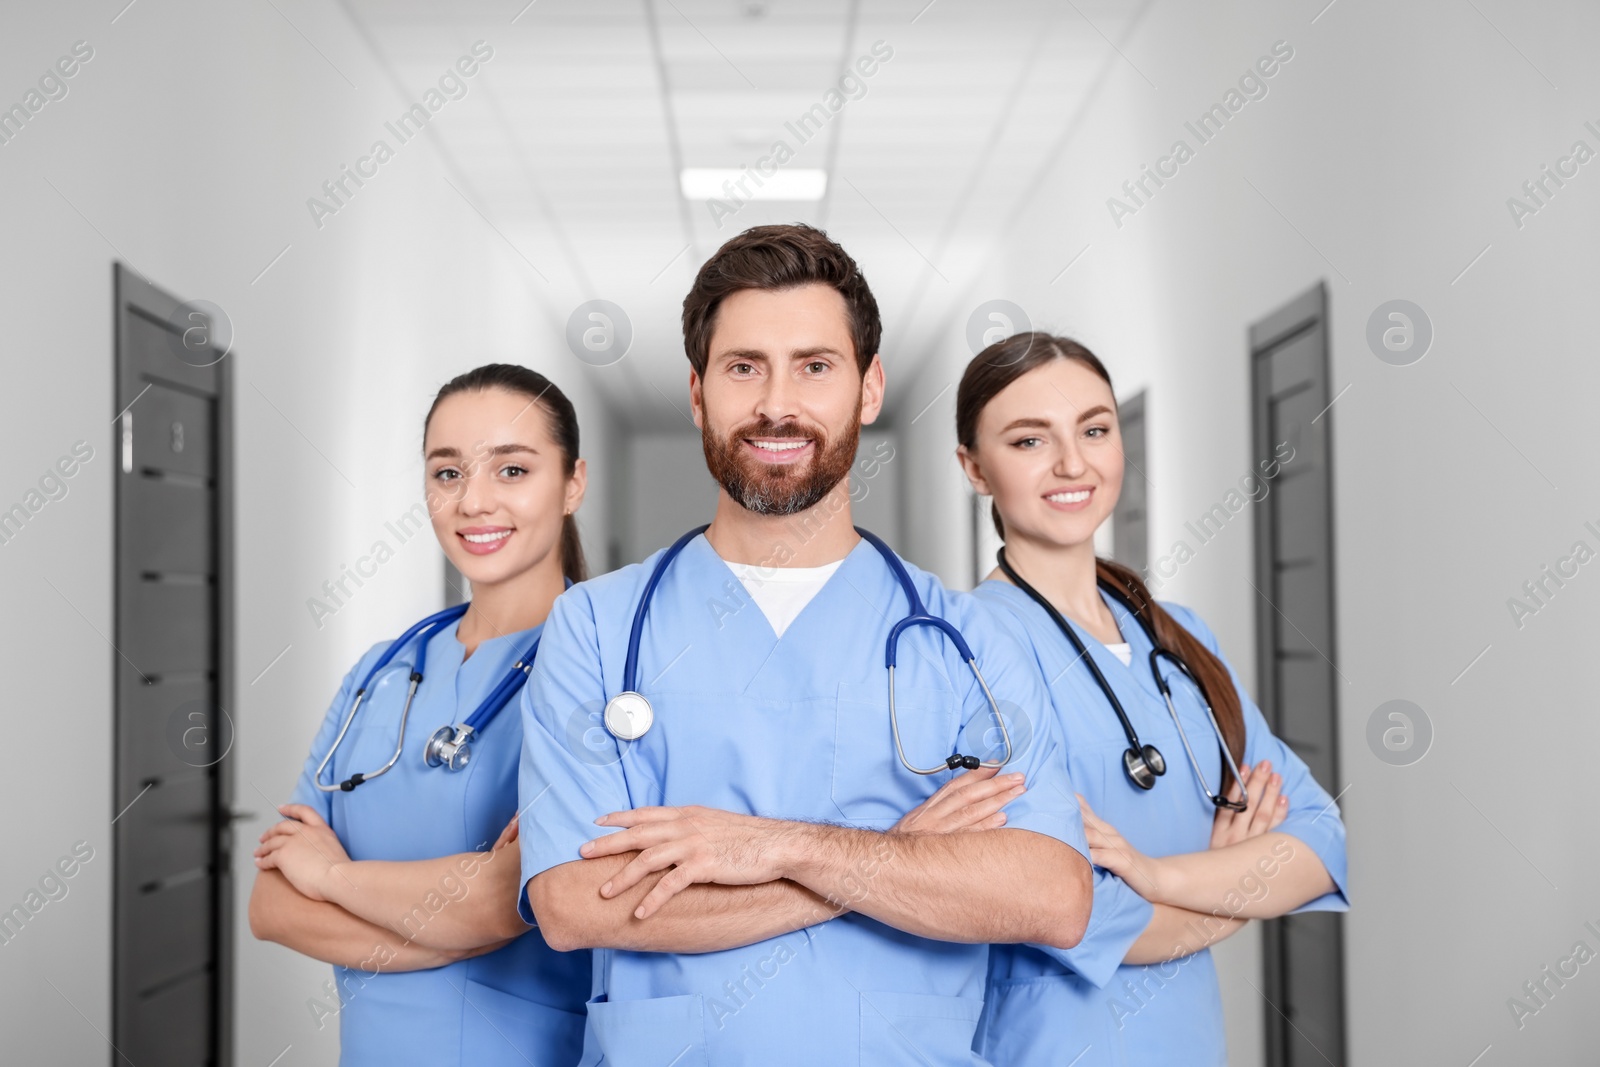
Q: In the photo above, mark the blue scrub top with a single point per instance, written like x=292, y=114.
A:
x=1046, y=1006
x=519, y=1004
x=791, y=728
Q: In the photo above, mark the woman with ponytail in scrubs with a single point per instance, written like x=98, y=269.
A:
x=407, y=881
x=1175, y=870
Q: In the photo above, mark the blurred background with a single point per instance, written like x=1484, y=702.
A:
x=226, y=310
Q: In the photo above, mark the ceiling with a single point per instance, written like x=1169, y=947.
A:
x=570, y=141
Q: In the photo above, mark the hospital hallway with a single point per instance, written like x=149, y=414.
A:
x=1337, y=256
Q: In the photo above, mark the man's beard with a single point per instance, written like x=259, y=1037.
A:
x=779, y=489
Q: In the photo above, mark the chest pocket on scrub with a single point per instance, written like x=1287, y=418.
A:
x=870, y=786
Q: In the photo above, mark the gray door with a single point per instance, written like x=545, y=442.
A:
x=1297, y=689
x=1130, y=521
x=170, y=955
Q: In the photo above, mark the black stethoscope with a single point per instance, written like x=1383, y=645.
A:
x=628, y=715
x=1143, y=763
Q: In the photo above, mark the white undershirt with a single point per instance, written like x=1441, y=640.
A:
x=782, y=592
x=1124, y=652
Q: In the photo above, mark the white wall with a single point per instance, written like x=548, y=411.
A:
x=195, y=163
x=1390, y=142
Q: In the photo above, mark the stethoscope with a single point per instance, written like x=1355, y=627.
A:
x=1143, y=763
x=449, y=746
x=628, y=715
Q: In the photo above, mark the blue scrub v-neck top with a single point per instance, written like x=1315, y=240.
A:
x=1047, y=1006
x=795, y=727
x=519, y=1004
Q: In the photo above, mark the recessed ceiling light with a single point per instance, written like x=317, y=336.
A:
x=724, y=183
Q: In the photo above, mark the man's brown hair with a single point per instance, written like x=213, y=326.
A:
x=775, y=258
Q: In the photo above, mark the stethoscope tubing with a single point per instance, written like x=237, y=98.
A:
x=918, y=615
x=438, y=618
x=630, y=666
x=1158, y=652
x=423, y=631
x=1077, y=644
x=1183, y=735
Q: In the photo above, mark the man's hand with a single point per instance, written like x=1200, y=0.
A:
x=970, y=801
x=1266, y=809
x=699, y=845
x=304, y=848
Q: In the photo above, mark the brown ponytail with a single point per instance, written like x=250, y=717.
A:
x=563, y=420
x=573, y=564
x=990, y=372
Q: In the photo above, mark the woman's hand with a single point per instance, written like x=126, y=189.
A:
x=507, y=851
x=305, y=849
x=1264, y=811
x=1145, y=875
x=970, y=801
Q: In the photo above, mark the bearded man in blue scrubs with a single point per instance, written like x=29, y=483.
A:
x=755, y=870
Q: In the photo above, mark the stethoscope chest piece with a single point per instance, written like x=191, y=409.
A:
x=1144, y=765
x=450, y=746
x=629, y=716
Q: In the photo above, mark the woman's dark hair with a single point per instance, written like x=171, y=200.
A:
x=560, y=415
x=990, y=372
x=775, y=258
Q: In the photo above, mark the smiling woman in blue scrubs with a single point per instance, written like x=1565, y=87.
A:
x=407, y=883
x=1174, y=872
